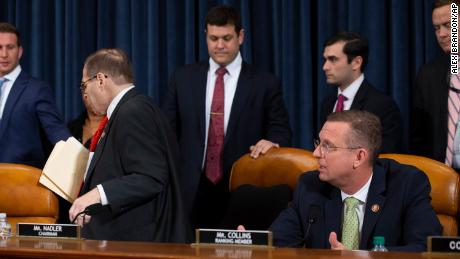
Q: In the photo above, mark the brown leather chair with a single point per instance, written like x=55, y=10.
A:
x=277, y=166
x=444, y=188
x=23, y=198
x=261, y=188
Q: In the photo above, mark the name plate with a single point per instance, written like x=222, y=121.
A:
x=48, y=230
x=444, y=244
x=234, y=237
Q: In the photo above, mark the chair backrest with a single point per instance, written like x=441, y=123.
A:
x=23, y=198
x=261, y=188
x=277, y=166
x=444, y=188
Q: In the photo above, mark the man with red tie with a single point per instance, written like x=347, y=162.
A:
x=221, y=109
x=132, y=171
x=345, y=58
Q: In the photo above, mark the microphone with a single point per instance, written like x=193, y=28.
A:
x=313, y=215
x=91, y=210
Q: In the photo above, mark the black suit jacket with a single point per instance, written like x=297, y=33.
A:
x=258, y=112
x=405, y=216
x=429, y=109
x=135, y=161
x=372, y=100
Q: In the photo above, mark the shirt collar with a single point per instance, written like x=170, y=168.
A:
x=352, y=89
x=116, y=100
x=361, y=195
x=13, y=74
x=232, y=68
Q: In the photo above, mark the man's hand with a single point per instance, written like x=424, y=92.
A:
x=335, y=244
x=261, y=148
x=81, y=203
x=241, y=228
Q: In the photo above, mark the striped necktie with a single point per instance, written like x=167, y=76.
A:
x=453, y=105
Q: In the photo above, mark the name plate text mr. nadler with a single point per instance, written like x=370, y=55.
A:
x=48, y=230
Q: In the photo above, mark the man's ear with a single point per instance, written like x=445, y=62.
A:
x=361, y=157
x=357, y=62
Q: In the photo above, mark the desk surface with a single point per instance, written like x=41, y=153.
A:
x=59, y=248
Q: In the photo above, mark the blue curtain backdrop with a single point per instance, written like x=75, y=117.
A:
x=284, y=37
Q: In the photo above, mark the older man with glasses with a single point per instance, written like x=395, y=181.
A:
x=355, y=196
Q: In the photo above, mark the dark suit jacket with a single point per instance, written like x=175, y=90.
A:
x=429, y=110
x=30, y=118
x=258, y=111
x=372, y=100
x=136, y=164
x=405, y=217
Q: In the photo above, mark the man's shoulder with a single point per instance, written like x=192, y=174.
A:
x=439, y=65
x=399, y=173
x=376, y=97
x=310, y=182
x=192, y=68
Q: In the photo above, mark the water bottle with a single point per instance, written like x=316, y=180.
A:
x=5, y=227
x=379, y=244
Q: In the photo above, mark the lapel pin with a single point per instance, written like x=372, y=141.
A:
x=375, y=208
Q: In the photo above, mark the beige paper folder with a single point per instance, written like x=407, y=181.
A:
x=65, y=168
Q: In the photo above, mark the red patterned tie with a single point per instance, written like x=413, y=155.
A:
x=98, y=134
x=340, y=99
x=214, y=160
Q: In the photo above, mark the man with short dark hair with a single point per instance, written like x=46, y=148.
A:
x=436, y=98
x=220, y=109
x=29, y=118
x=345, y=58
x=354, y=196
x=132, y=165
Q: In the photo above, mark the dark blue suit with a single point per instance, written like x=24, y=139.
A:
x=405, y=216
x=258, y=112
x=373, y=100
x=30, y=116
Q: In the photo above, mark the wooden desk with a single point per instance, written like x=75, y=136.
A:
x=59, y=248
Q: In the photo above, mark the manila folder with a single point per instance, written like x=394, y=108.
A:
x=65, y=168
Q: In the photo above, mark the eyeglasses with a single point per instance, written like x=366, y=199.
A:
x=326, y=148
x=84, y=83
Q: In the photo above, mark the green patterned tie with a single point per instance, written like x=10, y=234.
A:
x=350, y=228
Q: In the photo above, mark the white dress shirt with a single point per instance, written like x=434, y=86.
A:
x=230, y=83
x=361, y=195
x=350, y=92
x=7, y=85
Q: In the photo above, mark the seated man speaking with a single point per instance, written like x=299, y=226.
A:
x=355, y=196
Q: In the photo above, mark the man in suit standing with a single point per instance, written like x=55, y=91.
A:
x=355, y=196
x=133, y=170
x=345, y=58
x=436, y=98
x=28, y=114
x=220, y=109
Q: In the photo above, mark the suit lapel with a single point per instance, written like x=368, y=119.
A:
x=333, y=215
x=103, y=140
x=374, y=199
x=360, y=96
x=243, y=90
x=16, y=91
x=200, y=96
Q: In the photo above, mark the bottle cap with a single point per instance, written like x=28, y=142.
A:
x=379, y=240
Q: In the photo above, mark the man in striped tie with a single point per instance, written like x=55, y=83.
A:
x=436, y=97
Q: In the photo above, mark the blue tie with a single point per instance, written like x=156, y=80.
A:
x=2, y=80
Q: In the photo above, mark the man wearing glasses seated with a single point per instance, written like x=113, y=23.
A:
x=355, y=196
